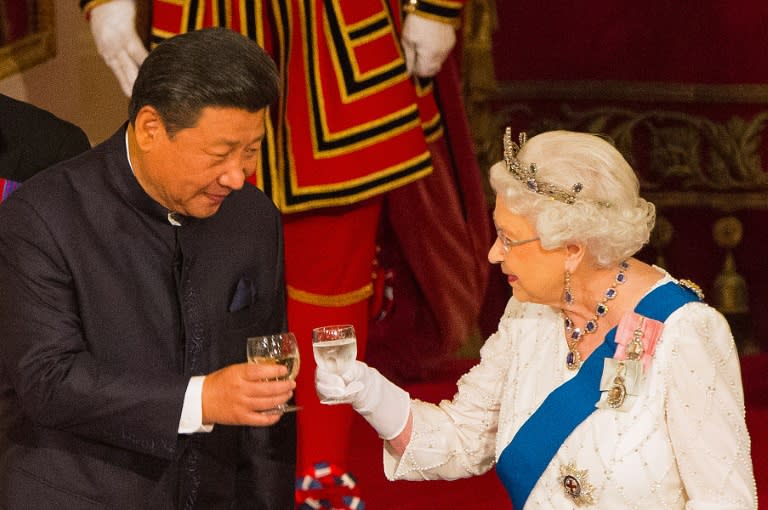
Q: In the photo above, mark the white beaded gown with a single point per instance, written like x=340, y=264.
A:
x=683, y=444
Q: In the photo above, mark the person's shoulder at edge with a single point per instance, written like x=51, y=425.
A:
x=58, y=184
x=33, y=139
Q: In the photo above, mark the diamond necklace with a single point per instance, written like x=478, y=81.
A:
x=574, y=335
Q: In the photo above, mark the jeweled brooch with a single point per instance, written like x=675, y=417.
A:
x=576, y=486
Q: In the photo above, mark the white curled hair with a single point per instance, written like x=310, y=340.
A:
x=608, y=216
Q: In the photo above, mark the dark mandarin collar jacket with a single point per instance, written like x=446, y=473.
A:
x=106, y=310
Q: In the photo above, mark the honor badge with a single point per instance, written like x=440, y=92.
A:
x=620, y=381
x=576, y=485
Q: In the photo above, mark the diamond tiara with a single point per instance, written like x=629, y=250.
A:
x=527, y=175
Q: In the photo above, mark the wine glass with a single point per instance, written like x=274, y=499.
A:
x=276, y=349
x=335, y=349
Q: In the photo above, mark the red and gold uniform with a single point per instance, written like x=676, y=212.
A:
x=351, y=124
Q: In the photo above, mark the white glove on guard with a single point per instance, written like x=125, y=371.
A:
x=426, y=44
x=382, y=403
x=113, y=29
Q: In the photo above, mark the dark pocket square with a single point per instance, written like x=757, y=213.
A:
x=244, y=295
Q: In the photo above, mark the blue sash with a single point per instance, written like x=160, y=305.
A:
x=531, y=450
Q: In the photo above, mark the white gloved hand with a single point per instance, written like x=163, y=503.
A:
x=426, y=44
x=113, y=29
x=383, y=404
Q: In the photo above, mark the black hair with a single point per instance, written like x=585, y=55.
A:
x=210, y=67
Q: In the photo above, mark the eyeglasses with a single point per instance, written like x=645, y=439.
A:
x=507, y=243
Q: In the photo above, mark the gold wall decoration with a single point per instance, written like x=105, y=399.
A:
x=36, y=45
x=730, y=288
x=730, y=293
x=682, y=159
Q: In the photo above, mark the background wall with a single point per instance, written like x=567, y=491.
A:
x=75, y=85
x=683, y=91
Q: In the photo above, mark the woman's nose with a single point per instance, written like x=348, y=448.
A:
x=495, y=253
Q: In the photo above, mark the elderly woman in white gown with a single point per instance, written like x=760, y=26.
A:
x=609, y=384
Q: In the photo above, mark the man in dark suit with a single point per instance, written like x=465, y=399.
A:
x=131, y=276
x=32, y=139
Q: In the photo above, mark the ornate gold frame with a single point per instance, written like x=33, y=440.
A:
x=36, y=47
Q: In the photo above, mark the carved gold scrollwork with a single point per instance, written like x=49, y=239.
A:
x=685, y=152
x=681, y=159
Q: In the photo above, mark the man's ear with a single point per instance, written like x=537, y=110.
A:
x=148, y=128
x=574, y=255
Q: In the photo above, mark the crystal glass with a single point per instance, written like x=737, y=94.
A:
x=335, y=349
x=280, y=349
